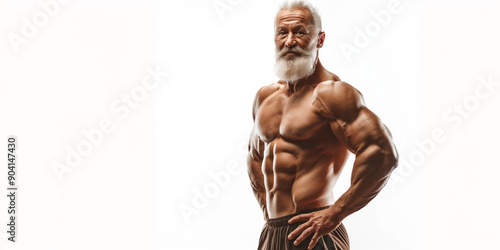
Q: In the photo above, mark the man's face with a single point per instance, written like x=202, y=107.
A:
x=296, y=42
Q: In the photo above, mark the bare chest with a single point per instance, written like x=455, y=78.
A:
x=289, y=117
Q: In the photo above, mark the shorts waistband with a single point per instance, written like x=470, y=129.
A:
x=283, y=221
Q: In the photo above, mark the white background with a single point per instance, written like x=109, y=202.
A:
x=127, y=192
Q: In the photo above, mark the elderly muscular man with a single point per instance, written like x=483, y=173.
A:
x=304, y=127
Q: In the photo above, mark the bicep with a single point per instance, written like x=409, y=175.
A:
x=255, y=147
x=361, y=131
x=350, y=120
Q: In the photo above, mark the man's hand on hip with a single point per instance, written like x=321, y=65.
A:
x=318, y=223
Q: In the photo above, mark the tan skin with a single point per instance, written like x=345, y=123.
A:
x=301, y=139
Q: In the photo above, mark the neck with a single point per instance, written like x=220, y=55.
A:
x=294, y=86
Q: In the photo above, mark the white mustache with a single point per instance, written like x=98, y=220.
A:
x=295, y=49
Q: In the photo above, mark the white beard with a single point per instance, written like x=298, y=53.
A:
x=297, y=67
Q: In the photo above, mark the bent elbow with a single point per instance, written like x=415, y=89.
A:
x=390, y=158
x=393, y=159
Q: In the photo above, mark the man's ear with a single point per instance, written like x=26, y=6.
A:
x=321, y=39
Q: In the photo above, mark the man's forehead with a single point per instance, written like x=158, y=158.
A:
x=297, y=16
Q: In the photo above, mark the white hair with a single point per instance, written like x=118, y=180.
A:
x=301, y=4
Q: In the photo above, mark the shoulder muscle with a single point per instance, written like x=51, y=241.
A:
x=261, y=95
x=338, y=100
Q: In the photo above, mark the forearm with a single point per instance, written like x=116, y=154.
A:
x=261, y=199
x=371, y=171
x=257, y=182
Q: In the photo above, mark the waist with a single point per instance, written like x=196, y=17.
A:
x=283, y=221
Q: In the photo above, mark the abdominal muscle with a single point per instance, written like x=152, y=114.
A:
x=298, y=179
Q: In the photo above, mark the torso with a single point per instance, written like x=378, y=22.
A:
x=302, y=157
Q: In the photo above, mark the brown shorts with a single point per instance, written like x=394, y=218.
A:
x=274, y=235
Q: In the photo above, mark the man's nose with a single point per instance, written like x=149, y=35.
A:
x=290, y=40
